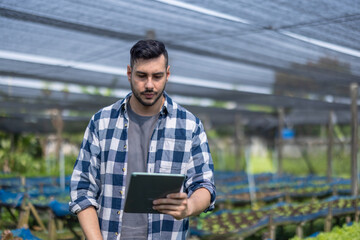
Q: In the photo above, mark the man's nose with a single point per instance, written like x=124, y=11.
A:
x=149, y=83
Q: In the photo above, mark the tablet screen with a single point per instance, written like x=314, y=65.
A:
x=144, y=188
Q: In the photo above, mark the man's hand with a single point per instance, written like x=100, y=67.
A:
x=175, y=204
x=180, y=206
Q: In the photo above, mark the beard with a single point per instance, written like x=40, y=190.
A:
x=138, y=95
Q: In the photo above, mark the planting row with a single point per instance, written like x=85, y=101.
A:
x=227, y=222
x=347, y=232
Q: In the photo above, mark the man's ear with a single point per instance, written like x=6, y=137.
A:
x=129, y=72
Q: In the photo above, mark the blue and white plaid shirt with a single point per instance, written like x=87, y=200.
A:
x=178, y=145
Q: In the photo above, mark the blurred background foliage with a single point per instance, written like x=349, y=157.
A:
x=23, y=154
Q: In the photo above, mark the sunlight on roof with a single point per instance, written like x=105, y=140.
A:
x=313, y=41
x=203, y=10
x=327, y=45
x=92, y=90
x=122, y=71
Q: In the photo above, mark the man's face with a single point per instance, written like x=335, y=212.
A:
x=148, y=79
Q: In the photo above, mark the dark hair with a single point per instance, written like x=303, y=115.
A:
x=147, y=49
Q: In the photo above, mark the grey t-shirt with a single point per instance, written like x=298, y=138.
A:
x=135, y=225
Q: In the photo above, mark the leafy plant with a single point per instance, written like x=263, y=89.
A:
x=345, y=233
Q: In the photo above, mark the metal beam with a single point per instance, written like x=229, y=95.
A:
x=24, y=16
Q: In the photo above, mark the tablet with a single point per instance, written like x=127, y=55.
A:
x=144, y=188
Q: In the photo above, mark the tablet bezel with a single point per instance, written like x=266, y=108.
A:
x=146, y=187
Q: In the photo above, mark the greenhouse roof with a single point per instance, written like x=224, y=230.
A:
x=300, y=55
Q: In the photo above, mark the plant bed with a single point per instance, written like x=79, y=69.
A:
x=243, y=223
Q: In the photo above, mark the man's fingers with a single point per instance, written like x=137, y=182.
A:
x=169, y=207
x=175, y=204
x=180, y=195
x=175, y=214
x=171, y=210
x=170, y=201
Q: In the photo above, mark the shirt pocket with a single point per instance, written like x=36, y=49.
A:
x=174, y=155
x=176, y=145
x=172, y=168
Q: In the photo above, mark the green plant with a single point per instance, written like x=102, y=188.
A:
x=23, y=154
x=344, y=233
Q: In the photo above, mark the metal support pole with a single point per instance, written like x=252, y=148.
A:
x=51, y=226
x=357, y=213
x=354, y=139
x=328, y=218
x=272, y=228
x=62, y=168
x=300, y=230
x=251, y=178
x=239, y=136
x=280, y=141
x=58, y=123
x=330, y=146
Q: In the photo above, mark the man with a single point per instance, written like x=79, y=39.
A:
x=144, y=132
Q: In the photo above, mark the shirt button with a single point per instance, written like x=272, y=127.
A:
x=123, y=169
x=116, y=234
x=118, y=212
x=121, y=192
x=125, y=124
x=125, y=146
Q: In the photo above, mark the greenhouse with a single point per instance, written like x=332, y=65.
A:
x=274, y=83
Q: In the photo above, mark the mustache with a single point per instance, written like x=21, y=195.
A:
x=148, y=91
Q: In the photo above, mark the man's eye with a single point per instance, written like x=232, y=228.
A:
x=158, y=76
x=141, y=75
